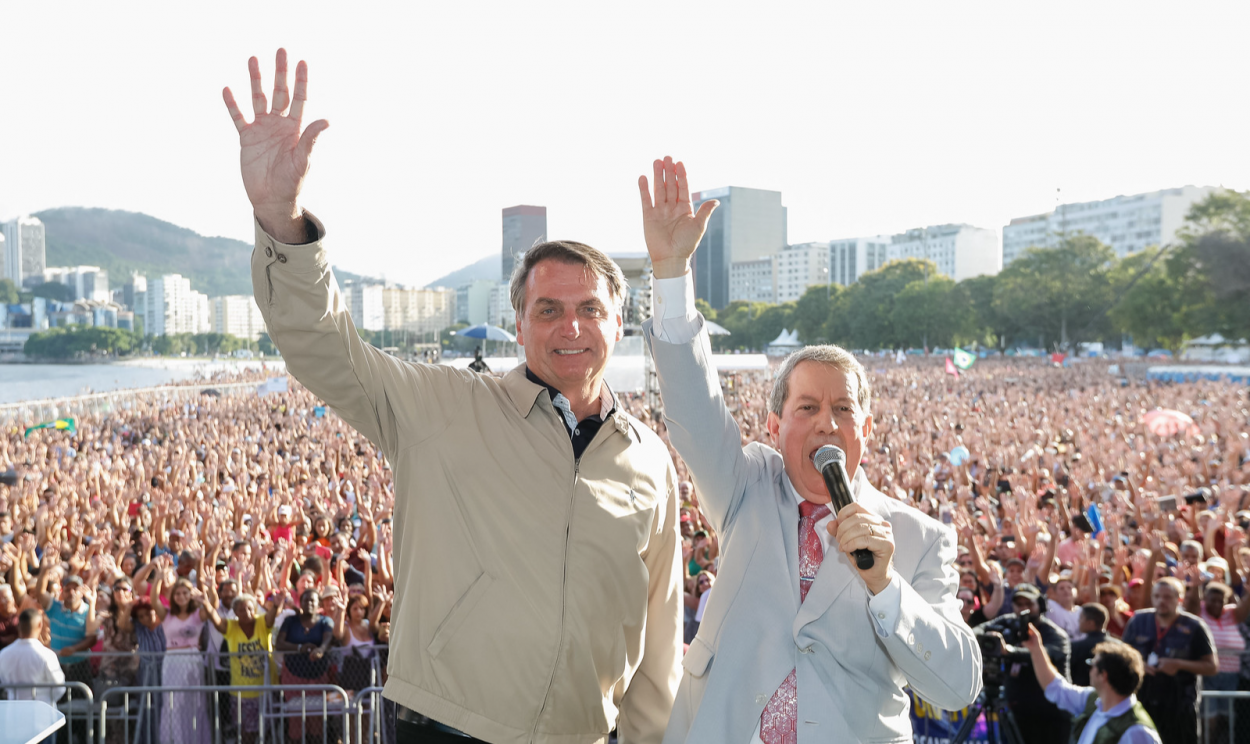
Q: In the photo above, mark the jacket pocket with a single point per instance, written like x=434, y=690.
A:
x=698, y=657
x=459, y=612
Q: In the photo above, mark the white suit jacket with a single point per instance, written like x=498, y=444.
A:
x=851, y=671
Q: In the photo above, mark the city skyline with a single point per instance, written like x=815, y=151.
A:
x=869, y=121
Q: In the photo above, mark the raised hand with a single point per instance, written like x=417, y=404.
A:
x=669, y=224
x=273, y=152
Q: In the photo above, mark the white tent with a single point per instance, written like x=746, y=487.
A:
x=786, y=342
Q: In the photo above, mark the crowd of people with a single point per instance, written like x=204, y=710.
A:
x=241, y=539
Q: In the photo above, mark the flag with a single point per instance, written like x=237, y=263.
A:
x=950, y=368
x=963, y=359
x=1095, y=520
x=66, y=424
x=1058, y=357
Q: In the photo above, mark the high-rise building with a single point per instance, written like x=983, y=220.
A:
x=523, y=228
x=753, y=281
x=364, y=303
x=960, y=251
x=132, y=291
x=1126, y=223
x=750, y=224
x=851, y=258
x=25, y=255
x=473, y=301
x=801, y=266
x=236, y=315
x=171, y=306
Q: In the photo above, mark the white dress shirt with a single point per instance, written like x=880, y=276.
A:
x=1073, y=699
x=676, y=321
x=26, y=661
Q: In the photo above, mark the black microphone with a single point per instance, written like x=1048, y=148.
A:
x=831, y=462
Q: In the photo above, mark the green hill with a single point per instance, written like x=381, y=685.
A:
x=122, y=242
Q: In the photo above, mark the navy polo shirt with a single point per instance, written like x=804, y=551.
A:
x=1188, y=638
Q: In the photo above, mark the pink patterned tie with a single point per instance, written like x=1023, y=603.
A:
x=779, y=723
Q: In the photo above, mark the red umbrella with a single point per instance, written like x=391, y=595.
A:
x=1165, y=422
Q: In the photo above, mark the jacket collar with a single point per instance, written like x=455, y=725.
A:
x=524, y=393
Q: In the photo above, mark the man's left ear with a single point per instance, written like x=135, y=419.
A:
x=867, y=426
x=620, y=326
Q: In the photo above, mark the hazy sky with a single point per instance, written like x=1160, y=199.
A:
x=869, y=119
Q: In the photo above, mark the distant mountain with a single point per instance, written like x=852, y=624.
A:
x=121, y=242
x=487, y=268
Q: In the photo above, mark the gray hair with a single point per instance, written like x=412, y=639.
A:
x=244, y=598
x=828, y=354
x=571, y=252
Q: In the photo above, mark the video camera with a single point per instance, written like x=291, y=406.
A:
x=1014, y=632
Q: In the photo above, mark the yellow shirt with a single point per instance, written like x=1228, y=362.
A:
x=249, y=669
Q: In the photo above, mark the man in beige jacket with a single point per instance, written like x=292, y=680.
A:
x=537, y=588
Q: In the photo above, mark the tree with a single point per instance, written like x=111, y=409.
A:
x=264, y=345
x=708, y=312
x=1058, y=294
x=8, y=292
x=1151, y=309
x=936, y=313
x=812, y=312
x=862, y=317
x=1211, y=266
x=988, y=327
x=67, y=342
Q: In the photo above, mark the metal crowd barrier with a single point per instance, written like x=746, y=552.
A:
x=1218, y=719
x=76, y=703
x=275, y=704
x=376, y=732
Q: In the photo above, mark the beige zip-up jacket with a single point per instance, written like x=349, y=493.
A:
x=537, y=598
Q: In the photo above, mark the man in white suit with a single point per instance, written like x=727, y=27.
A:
x=797, y=644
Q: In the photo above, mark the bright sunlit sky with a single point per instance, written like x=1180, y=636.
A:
x=869, y=118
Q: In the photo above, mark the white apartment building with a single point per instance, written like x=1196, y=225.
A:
x=171, y=306
x=1126, y=223
x=753, y=281
x=418, y=311
x=851, y=258
x=236, y=315
x=499, y=310
x=364, y=303
x=801, y=266
x=25, y=255
x=473, y=301
x=88, y=282
x=960, y=251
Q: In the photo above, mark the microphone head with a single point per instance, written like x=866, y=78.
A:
x=828, y=454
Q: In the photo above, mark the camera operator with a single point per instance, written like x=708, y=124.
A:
x=1108, y=704
x=1177, y=647
x=1039, y=720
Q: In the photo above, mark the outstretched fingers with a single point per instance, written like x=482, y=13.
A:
x=301, y=91
x=660, y=193
x=670, y=181
x=281, y=96
x=233, y=108
x=645, y=192
x=683, y=186
x=260, y=104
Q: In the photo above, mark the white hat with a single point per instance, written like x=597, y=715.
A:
x=284, y=511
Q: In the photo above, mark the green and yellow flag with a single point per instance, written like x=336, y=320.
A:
x=65, y=424
x=963, y=359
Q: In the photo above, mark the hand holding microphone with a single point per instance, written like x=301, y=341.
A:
x=870, y=536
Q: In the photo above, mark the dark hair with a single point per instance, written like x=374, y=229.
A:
x=1095, y=613
x=1122, y=664
x=314, y=564
x=569, y=252
x=1221, y=587
x=26, y=621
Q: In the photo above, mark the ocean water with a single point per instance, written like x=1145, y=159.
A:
x=19, y=382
